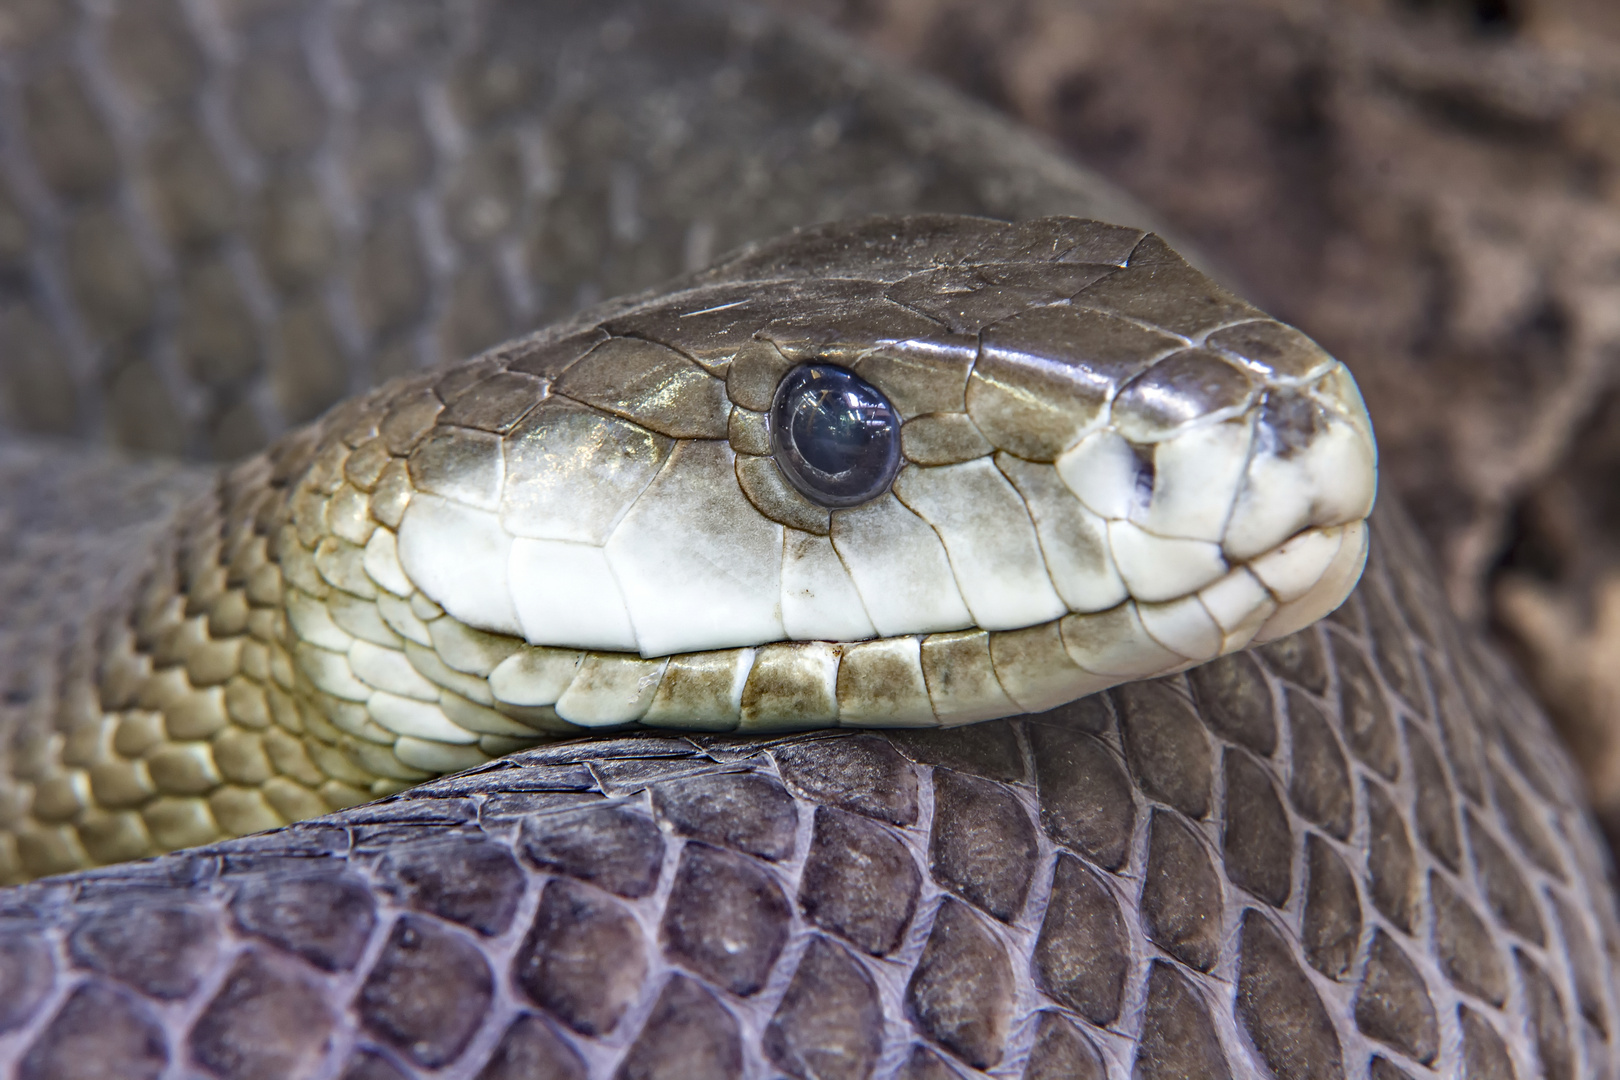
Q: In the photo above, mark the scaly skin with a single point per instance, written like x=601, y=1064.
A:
x=1360, y=841
x=414, y=584
x=1357, y=842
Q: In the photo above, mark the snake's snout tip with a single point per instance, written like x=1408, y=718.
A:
x=1299, y=519
x=1243, y=476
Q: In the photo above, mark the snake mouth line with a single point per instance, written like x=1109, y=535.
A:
x=944, y=678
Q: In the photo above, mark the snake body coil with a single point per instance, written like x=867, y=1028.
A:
x=1352, y=851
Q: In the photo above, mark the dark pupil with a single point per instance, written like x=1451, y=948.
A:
x=836, y=437
x=834, y=428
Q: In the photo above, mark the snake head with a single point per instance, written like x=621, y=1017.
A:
x=901, y=471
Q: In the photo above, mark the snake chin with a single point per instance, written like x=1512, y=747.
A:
x=1311, y=576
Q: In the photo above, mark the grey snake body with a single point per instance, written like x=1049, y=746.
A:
x=1356, y=851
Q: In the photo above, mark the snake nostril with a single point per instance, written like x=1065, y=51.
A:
x=835, y=436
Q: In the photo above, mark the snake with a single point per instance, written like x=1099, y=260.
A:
x=893, y=648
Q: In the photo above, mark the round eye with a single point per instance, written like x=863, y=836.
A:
x=835, y=437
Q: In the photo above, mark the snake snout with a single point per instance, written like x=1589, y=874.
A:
x=1241, y=472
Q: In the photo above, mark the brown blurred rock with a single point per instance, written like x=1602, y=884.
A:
x=1556, y=599
x=1432, y=189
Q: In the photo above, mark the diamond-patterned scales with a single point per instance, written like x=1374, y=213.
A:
x=872, y=906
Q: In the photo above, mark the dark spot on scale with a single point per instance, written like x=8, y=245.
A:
x=1146, y=473
x=1289, y=422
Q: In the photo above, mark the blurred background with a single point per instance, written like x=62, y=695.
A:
x=1429, y=187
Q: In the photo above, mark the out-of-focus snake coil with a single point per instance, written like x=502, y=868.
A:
x=1353, y=849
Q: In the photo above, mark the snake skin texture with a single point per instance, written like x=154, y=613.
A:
x=337, y=619
x=1356, y=852
x=218, y=219
x=1352, y=852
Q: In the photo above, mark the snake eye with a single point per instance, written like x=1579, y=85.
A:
x=835, y=436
